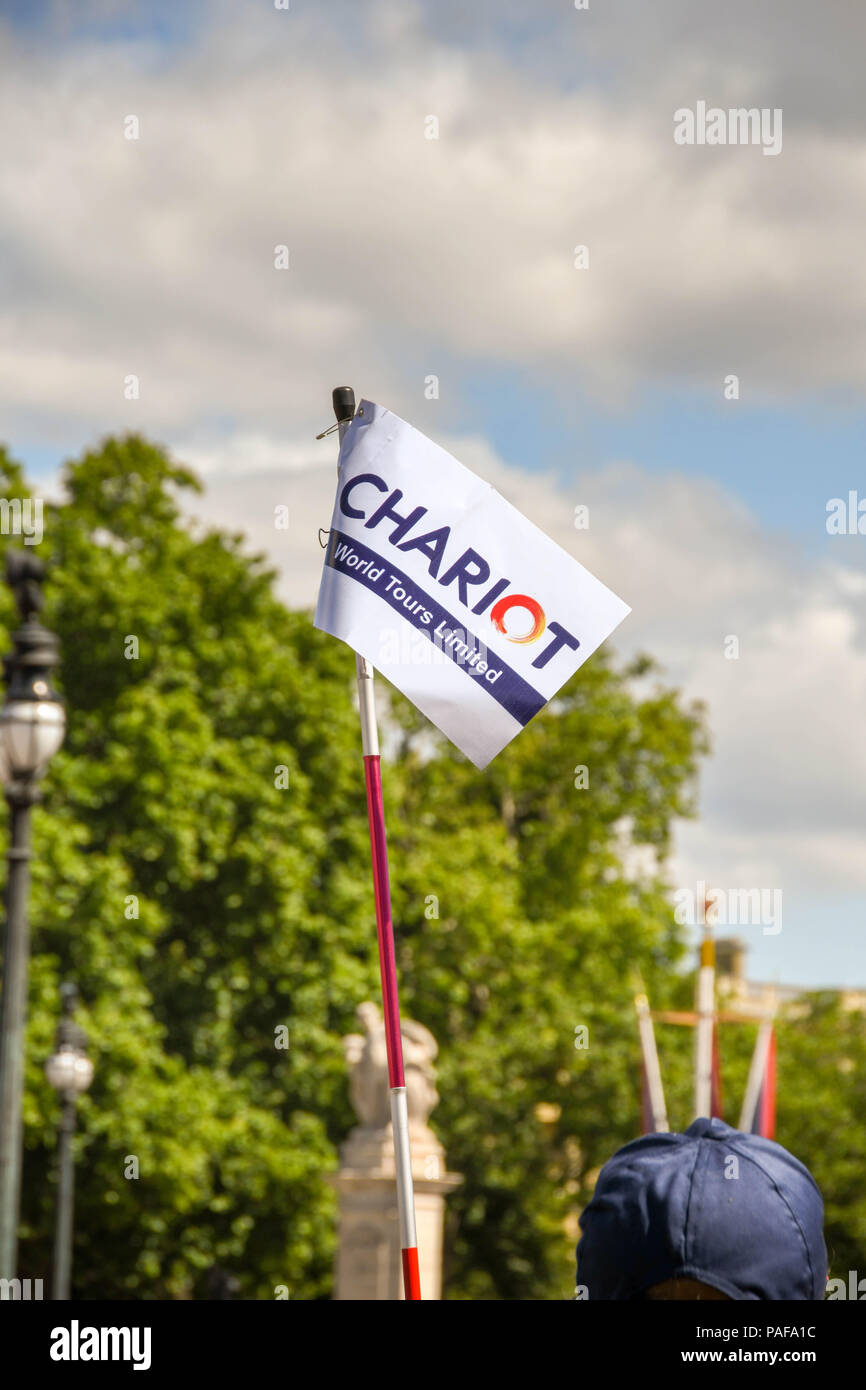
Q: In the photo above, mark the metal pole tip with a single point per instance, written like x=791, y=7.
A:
x=343, y=398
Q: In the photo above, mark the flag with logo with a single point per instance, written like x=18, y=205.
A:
x=466, y=606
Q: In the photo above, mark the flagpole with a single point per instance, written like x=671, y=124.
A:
x=652, y=1070
x=705, y=1023
x=344, y=410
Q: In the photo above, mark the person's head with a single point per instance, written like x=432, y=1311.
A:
x=712, y=1213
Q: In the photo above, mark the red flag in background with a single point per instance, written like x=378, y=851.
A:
x=758, y=1115
x=764, y=1122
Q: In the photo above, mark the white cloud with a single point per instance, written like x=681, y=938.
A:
x=411, y=257
x=155, y=256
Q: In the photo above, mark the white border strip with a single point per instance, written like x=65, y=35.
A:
x=403, y=1161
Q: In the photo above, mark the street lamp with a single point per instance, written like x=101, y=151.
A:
x=32, y=724
x=70, y=1071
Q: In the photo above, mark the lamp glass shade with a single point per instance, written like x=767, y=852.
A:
x=31, y=731
x=69, y=1070
x=83, y=1072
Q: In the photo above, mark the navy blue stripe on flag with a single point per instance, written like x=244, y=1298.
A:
x=509, y=689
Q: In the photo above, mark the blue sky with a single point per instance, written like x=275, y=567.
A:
x=782, y=462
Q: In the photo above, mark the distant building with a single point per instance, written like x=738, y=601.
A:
x=735, y=991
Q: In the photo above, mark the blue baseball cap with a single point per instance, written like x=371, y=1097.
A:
x=732, y=1210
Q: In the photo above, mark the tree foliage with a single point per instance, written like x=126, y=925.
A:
x=202, y=873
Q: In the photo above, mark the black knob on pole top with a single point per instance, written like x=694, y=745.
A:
x=343, y=398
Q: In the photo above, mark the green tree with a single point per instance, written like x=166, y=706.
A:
x=822, y=1105
x=197, y=901
x=202, y=872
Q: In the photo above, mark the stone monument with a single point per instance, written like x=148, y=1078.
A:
x=368, y=1258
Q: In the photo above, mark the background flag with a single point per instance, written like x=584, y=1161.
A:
x=758, y=1115
x=469, y=609
x=647, y=1125
x=706, y=1048
x=716, y=1079
x=653, y=1110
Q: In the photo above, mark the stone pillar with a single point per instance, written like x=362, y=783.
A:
x=368, y=1258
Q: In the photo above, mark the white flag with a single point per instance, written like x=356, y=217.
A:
x=469, y=609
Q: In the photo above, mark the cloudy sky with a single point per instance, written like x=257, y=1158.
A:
x=454, y=257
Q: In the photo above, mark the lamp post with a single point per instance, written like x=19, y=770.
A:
x=70, y=1072
x=32, y=725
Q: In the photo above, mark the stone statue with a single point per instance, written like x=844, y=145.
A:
x=368, y=1260
x=367, y=1057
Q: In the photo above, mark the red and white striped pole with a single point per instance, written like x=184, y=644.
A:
x=344, y=409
